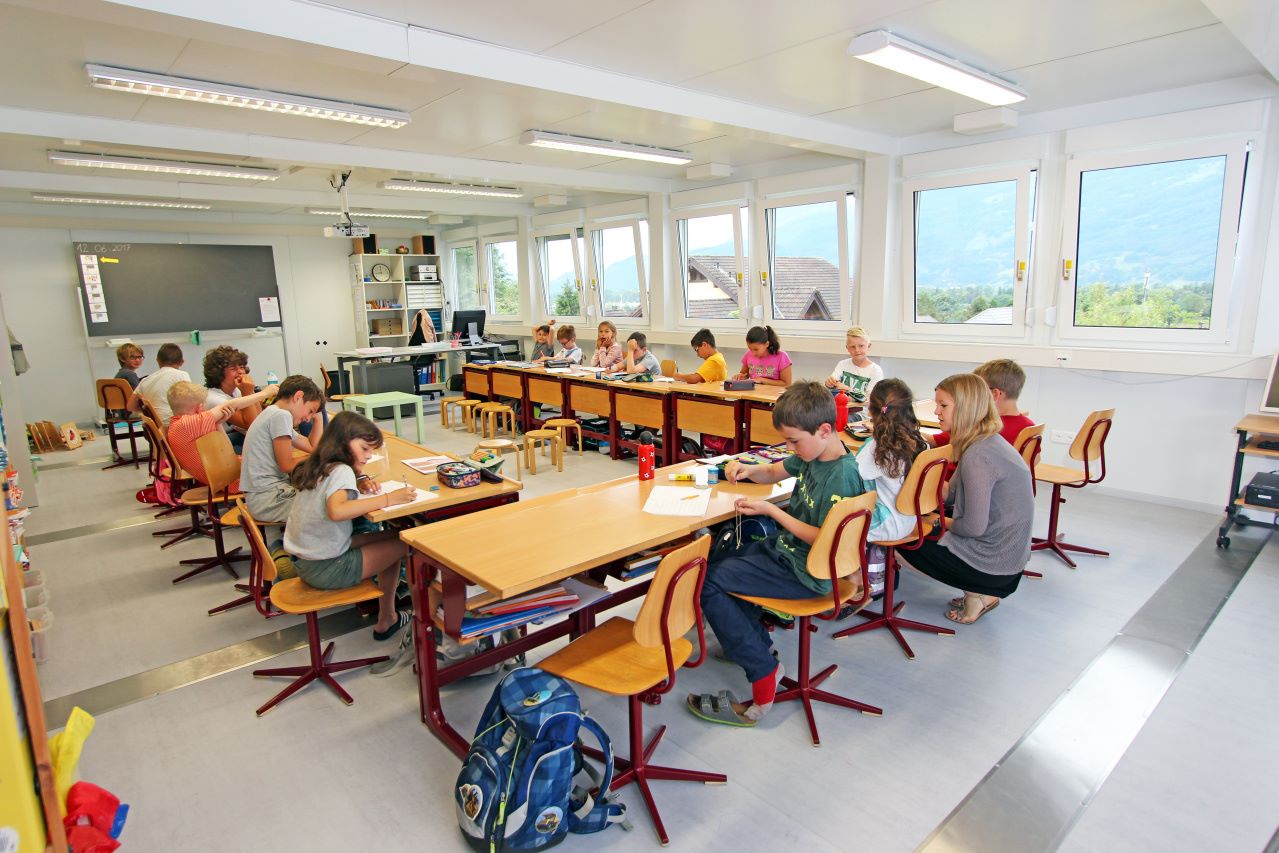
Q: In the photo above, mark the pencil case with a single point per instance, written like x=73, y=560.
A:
x=457, y=475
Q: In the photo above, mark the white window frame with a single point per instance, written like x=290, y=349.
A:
x=485, y=271
x=1021, y=174
x=595, y=273
x=1219, y=331
x=765, y=263
x=744, y=300
x=454, y=284
x=543, y=285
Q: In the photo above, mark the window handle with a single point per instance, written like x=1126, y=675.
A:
x=763, y=277
x=1067, y=267
x=1021, y=270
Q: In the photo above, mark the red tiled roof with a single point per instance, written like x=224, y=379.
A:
x=805, y=288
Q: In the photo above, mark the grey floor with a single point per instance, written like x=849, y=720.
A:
x=202, y=772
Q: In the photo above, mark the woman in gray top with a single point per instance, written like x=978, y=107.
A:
x=988, y=543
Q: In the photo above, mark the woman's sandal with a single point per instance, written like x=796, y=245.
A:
x=402, y=619
x=957, y=615
x=718, y=708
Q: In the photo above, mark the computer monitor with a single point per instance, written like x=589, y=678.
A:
x=1270, y=398
x=469, y=324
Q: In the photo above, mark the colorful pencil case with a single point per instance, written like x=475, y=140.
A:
x=457, y=475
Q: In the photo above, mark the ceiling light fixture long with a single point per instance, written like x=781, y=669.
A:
x=368, y=214
x=175, y=167
x=451, y=189
x=120, y=202
x=605, y=147
x=203, y=91
x=895, y=53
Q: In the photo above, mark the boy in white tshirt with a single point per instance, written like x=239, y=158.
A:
x=857, y=374
x=155, y=387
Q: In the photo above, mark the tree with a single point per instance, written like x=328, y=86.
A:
x=566, y=301
x=506, y=289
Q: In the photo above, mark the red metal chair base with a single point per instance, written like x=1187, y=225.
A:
x=805, y=689
x=1052, y=542
x=888, y=618
x=247, y=598
x=224, y=560
x=195, y=528
x=320, y=667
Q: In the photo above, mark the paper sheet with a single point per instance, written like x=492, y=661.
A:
x=427, y=464
x=419, y=495
x=663, y=378
x=714, y=460
x=269, y=308
x=785, y=487
x=672, y=500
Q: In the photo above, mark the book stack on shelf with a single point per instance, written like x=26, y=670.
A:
x=513, y=612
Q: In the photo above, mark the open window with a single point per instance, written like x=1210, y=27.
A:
x=501, y=275
x=806, y=282
x=559, y=264
x=463, y=276
x=713, y=257
x=617, y=255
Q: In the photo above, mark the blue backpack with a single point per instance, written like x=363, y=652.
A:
x=516, y=787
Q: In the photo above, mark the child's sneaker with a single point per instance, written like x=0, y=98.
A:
x=403, y=654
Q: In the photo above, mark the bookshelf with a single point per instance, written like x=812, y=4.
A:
x=388, y=290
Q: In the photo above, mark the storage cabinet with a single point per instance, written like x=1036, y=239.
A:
x=387, y=291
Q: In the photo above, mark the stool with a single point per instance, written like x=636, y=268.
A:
x=367, y=403
x=502, y=446
x=546, y=437
x=479, y=417
x=562, y=426
x=466, y=408
x=449, y=405
x=495, y=415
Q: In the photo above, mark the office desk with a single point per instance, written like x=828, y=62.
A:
x=513, y=549
x=444, y=348
x=449, y=502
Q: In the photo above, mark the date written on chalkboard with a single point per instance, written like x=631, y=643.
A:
x=98, y=248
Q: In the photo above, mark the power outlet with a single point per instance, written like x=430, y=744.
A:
x=1062, y=358
x=1062, y=436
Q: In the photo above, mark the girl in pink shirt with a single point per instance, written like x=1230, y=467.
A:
x=765, y=362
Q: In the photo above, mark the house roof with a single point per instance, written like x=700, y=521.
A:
x=803, y=287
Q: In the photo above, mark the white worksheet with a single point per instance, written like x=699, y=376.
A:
x=673, y=500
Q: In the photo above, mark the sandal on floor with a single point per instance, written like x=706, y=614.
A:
x=717, y=708
x=402, y=619
x=958, y=615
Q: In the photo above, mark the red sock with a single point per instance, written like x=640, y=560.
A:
x=765, y=690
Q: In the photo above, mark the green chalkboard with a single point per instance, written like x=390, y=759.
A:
x=158, y=288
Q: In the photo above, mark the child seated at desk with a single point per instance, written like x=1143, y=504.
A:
x=638, y=358
x=608, y=352
x=856, y=374
x=191, y=421
x=713, y=368
x=318, y=533
x=226, y=375
x=542, y=348
x=154, y=387
x=567, y=337
x=130, y=358
x=765, y=362
x=269, y=446
x=1005, y=378
x=825, y=472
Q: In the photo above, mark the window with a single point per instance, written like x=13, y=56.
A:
x=559, y=264
x=805, y=270
x=465, y=282
x=713, y=251
x=501, y=256
x=967, y=253
x=1149, y=244
x=618, y=253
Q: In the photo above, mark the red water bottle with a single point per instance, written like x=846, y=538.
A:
x=841, y=411
x=647, y=455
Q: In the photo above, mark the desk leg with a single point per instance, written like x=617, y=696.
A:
x=343, y=385
x=1223, y=540
x=421, y=573
x=421, y=426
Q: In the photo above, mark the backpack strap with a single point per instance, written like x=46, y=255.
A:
x=590, y=814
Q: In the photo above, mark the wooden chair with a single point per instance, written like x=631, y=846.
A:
x=1028, y=444
x=168, y=471
x=638, y=660
x=328, y=385
x=149, y=411
x=920, y=496
x=295, y=596
x=668, y=367
x=546, y=438
x=222, y=467
x=562, y=426
x=257, y=591
x=113, y=397
x=839, y=556
x=1088, y=447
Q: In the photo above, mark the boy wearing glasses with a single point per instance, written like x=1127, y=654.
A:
x=714, y=368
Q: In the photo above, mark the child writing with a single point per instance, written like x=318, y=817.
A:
x=713, y=367
x=608, y=352
x=987, y=544
x=1005, y=379
x=191, y=420
x=269, y=445
x=825, y=472
x=638, y=358
x=318, y=533
x=154, y=388
x=542, y=348
x=130, y=358
x=765, y=362
x=567, y=337
x=857, y=374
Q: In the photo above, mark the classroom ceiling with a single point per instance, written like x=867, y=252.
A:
x=750, y=83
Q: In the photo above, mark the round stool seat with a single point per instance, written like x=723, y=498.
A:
x=502, y=446
x=546, y=437
x=467, y=408
x=561, y=426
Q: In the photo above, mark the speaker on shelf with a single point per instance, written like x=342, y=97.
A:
x=364, y=245
x=424, y=245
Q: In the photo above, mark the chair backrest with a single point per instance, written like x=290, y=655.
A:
x=921, y=490
x=114, y=394
x=149, y=410
x=155, y=438
x=1090, y=441
x=1028, y=444
x=327, y=381
x=261, y=565
x=673, y=603
x=840, y=547
x=221, y=465
x=668, y=367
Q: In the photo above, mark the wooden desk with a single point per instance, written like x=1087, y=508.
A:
x=443, y=349
x=450, y=502
x=706, y=408
x=514, y=549
x=475, y=381
x=1249, y=431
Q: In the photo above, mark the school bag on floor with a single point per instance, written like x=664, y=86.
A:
x=516, y=790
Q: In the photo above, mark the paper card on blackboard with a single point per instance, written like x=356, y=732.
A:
x=88, y=262
x=270, y=308
x=94, y=289
x=98, y=318
x=98, y=306
x=92, y=277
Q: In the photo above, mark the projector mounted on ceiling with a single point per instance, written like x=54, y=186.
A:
x=344, y=226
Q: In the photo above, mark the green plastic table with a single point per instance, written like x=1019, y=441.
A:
x=366, y=403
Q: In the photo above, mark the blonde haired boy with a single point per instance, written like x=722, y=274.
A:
x=191, y=421
x=857, y=374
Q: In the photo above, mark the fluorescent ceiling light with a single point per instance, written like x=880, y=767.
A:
x=176, y=167
x=182, y=88
x=604, y=147
x=120, y=202
x=886, y=50
x=369, y=214
x=451, y=189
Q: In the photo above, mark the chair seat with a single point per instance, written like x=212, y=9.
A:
x=1058, y=474
x=199, y=496
x=541, y=433
x=497, y=444
x=559, y=422
x=805, y=606
x=929, y=521
x=609, y=660
x=295, y=596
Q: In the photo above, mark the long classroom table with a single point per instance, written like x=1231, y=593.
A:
x=447, y=502
x=514, y=549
